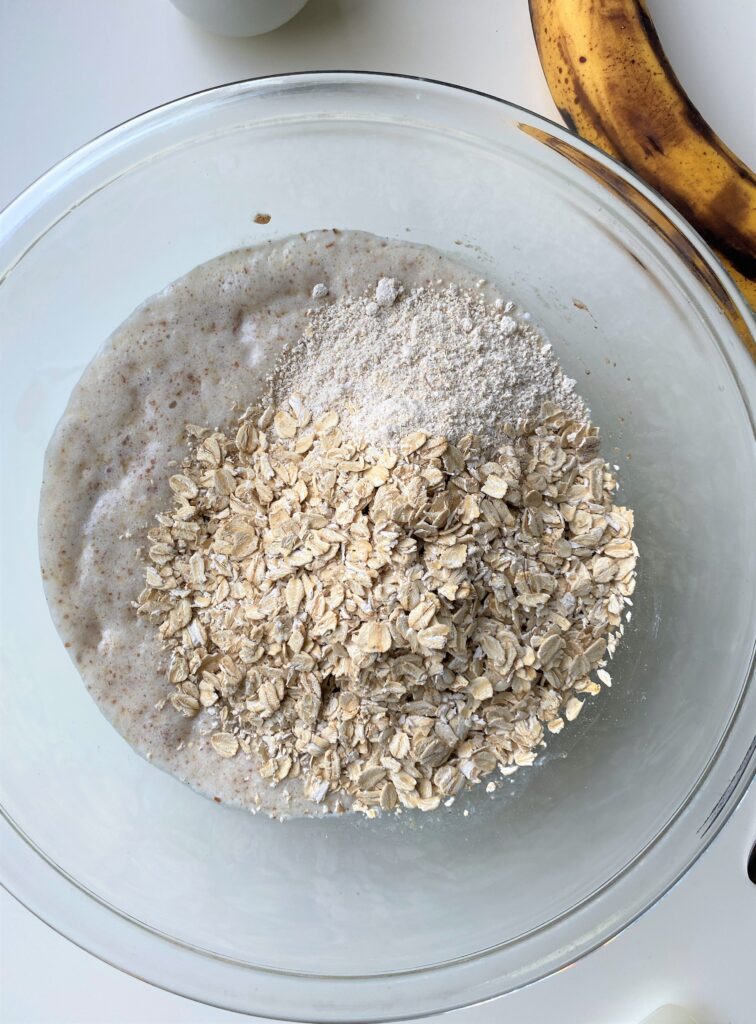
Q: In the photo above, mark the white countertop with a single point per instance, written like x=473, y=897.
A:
x=70, y=69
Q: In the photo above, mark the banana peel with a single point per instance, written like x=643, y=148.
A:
x=614, y=86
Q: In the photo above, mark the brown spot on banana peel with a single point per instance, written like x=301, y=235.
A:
x=731, y=201
x=657, y=220
x=618, y=113
x=568, y=119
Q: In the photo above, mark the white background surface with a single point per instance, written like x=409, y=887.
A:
x=70, y=69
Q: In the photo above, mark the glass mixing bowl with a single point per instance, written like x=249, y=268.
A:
x=350, y=920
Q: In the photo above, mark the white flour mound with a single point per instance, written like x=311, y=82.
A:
x=437, y=359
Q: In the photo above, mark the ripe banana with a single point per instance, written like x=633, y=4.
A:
x=613, y=85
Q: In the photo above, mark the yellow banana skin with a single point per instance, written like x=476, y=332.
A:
x=613, y=85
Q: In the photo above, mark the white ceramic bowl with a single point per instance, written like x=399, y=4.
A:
x=349, y=920
x=240, y=17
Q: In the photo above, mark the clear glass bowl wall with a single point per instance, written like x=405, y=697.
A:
x=347, y=919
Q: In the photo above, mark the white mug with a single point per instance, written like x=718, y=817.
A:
x=239, y=17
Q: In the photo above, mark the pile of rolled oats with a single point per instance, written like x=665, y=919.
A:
x=388, y=626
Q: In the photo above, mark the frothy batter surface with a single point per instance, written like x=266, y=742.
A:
x=198, y=352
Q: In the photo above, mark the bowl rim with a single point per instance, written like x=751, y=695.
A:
x=21, y=207
x=76, y=155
